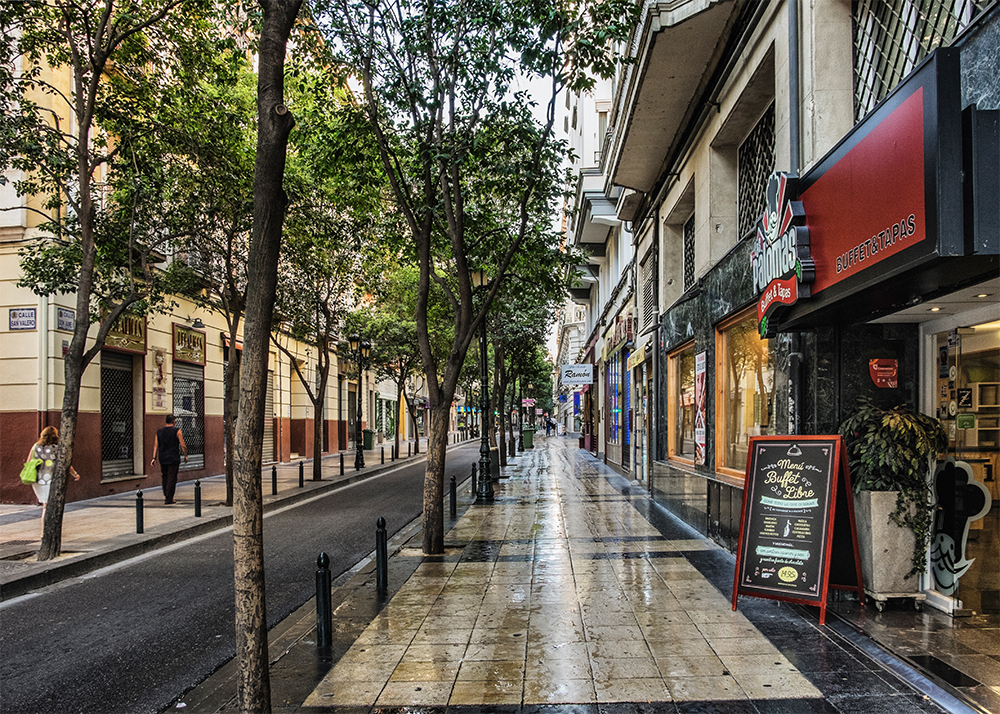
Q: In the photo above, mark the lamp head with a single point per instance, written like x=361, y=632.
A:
x=479, y=278
x=366, y=348
x=353, y=341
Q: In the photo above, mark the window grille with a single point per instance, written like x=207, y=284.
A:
x=648, y=292
x=688, y=253
x=755, y=164
x=189, y=411
x=892, y=36
x=117, y=437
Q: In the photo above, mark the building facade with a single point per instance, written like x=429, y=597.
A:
x=738, y=126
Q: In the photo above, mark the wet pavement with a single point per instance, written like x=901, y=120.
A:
x=572, y=592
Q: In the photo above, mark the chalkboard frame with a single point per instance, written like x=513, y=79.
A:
x=836, y=489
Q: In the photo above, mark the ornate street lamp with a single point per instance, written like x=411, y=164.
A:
x=520, y=413
x=361, y=349
x=484, y=490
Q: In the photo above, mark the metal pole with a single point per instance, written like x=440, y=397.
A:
x=381, y=557
x=520, y=413
x=383, y=454
x=359, y=457
x=324, y=604
x=274, y=480
x=301, y=475
x=454, y=496
x=485, y=492
x=197, y=499
x=341, y=463
x=138, y=512
x=473, y=479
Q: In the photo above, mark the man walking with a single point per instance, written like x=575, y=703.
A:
x=167, y=447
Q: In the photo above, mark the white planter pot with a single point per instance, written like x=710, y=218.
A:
x=886, y=549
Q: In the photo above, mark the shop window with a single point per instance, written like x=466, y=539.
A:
x=744, y=377
x=892, y=36
x=189, y=410
x=613, y=382
x=117, y=432
x=681, y=436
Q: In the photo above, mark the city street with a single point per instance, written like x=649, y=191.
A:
x=132, y=637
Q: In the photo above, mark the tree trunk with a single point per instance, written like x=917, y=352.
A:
x=433, y=530
x=274, y=125
x=318, y=427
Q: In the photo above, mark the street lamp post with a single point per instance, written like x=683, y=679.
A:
x=361, y=349
x=484, y=491
x=520, y=413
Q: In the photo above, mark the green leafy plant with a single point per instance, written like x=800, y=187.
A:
x=889, y=450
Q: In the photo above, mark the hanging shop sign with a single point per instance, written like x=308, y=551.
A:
x=189, y=345
x=636, y=358
x=780, y=258
x=573, y=374
x=797, y=512
x=128, y=334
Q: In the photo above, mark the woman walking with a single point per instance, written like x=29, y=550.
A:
x=45, y=449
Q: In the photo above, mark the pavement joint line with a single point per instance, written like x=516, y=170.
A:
x=279, y=643
x=149, y=544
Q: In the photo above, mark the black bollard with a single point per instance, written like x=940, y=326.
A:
x=302, y=478
x=392, y=452
x=383, y=454
x=341, y=463
x=381, y=557
x=408, y=454
x=324, y=604
x=274, y=480
x=473, y=479
x=138, y=512
x=454, y=497
x=197, y=499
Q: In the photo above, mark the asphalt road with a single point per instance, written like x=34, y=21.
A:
x=132, y=638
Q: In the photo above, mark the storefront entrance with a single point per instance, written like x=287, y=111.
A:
x=965, y=386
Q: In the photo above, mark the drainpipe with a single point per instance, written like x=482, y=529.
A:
x=43, y=362
x=795, y=159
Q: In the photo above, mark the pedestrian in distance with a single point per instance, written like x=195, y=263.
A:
x=45, y=449
x=167, y=447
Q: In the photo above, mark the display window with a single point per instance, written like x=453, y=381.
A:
x=681, y=400
x=744, y=382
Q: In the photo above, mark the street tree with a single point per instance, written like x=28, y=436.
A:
x=79, y=81
x=469, y=166
x=274, y=124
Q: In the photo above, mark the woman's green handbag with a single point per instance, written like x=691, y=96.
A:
x=29, y=474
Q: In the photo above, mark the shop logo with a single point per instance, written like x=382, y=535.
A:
x=780, y=261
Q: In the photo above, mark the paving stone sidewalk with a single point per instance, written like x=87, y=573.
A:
x=572, y=592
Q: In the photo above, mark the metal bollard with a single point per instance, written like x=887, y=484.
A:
x=274, y=480
x=408, y=454
x=381, y=557
x=138, y=512
x=473, y=479
x=341, y=463
x=197, y=499
x=383, y=454
x=392, y=452
x=454, y=497
x=324, y=604
x=302, y=479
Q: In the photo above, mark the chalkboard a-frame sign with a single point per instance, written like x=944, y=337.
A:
x=797, y=535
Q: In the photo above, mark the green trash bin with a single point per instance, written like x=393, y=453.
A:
x=369, y=439
x=529, y=438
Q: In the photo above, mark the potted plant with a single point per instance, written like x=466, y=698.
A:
x=889, y=452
